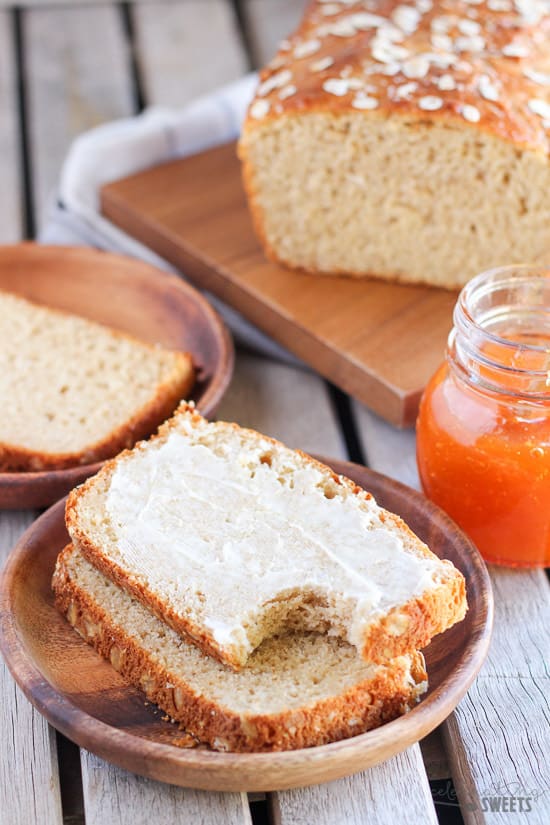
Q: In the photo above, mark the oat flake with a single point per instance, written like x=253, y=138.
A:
x=406, y=90
x=442, y=41
x=330, y=8
x=469, y=27
x=541, y=78
x=487, y=88
x=430, y=103
x=276, y=81
x=475, y=44
x=287, y=91
x=470, y=113
x=259, y=109
x=446, y=83
x=515, y=50
x=322, y=64
x=306, y=48
x=407, y=18
x=416, y=67
x=364, y=102
x=540, y=107
x=338, y=86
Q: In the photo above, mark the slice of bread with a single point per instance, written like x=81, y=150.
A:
x=77, y=392
x=296, y=691
x=230, y=537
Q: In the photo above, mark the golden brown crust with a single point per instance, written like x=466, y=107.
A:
x=492, y=55
x=364, y=706
x=139, y=425
x=408, y=627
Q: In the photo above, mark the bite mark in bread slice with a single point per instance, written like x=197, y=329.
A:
x=230, y=537
x=78, y=391
x=296, y=691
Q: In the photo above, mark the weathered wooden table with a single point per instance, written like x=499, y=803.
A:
x=65, y=66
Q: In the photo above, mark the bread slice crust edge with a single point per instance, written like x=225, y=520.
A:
x=402, y=629
x=364, y=706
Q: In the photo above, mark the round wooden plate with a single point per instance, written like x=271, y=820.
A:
x=125, y=294
x=86, y=699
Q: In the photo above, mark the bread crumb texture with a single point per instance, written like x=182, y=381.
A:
x=296, y=690
x=78, y=392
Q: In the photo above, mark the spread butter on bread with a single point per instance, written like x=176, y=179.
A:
x=231, y=538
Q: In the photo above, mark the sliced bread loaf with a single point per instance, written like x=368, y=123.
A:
x=296, y=691
x=78, y=392
x=411, y=143
x=230, y=538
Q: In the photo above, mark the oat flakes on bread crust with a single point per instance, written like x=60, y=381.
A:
x=228, y=565
x=295, y=692
x=79, y=391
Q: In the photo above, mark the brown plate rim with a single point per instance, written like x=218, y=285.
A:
x=36, y=486
x=220, y=771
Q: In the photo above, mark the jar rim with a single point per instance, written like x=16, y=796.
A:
x=501, y=336
x=488, y=281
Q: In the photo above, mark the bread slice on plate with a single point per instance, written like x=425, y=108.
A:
x=296, y=691
x=78, y=392
x=230, y=538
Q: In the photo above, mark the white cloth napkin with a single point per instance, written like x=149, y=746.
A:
x=123, y=147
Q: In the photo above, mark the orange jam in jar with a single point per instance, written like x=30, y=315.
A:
x=483, y=430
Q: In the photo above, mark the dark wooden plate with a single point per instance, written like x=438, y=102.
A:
x=125, y=294
x=84, y=698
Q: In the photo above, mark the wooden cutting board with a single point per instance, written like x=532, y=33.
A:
x=378, y=341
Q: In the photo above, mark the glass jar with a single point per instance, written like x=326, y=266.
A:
x=483, y=431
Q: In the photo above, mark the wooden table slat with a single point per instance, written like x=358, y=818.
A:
x=77, y=69
x=269, y=22
x=184, y=51
x=393, y=791
x=29, y=787
x=498, y=739
x=63, y=3
x=283, y=402
x=117, y=797
x=10, y=189
x=387, y=449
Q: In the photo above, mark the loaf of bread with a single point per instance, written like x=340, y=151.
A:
x=296, y=691
x=76, y=392
x=231, y=538
x=405, y=141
